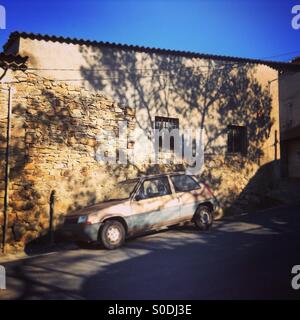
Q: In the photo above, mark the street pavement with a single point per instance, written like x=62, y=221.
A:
x=248, y=256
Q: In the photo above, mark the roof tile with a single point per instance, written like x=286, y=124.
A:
x=37, y=36
x=12, y=61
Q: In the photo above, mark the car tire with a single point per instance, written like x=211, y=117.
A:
x=203, y=217
x=112, y=234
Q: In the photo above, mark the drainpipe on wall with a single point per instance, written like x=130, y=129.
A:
x=6, y=181
x=51, y=227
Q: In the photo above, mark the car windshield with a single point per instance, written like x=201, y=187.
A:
x=123, y=190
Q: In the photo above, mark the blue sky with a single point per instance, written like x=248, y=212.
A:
x=254, y=29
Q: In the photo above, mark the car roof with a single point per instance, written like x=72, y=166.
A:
x=145, y=176
x=164, y=174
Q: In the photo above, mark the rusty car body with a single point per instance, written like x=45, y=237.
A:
x=140, y=205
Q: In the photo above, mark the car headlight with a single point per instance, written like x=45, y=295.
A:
x=82, y=219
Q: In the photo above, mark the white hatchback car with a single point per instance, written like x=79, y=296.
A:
x=140, y=205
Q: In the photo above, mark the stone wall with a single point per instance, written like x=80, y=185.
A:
x=53, y=144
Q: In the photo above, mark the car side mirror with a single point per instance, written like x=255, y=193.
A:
x=138, y=197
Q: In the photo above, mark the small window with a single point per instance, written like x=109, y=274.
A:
x=169, y=124
x=237, y=139
x=154, y=188
x=184, y=183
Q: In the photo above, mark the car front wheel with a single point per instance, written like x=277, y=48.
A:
x=112, y=234
x=203, y=217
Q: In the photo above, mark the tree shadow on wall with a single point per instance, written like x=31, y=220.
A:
x=210, y=94
x=258, y=194
x=48, y=121
x=153, y=85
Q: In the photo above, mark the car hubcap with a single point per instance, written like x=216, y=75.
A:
x=113, y=234
x=204, y=217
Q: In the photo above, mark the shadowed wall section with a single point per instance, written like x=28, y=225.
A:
x=72, y=92
x=53, y=146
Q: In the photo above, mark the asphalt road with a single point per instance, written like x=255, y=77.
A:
x=244, y=257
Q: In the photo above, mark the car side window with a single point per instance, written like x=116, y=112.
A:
x=154, y=188
x=184, y=183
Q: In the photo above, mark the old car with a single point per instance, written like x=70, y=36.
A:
x=140, y=205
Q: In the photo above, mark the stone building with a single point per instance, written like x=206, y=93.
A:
x=289, y=82
x=70, y=90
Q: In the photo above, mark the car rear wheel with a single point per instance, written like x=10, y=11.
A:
x=112, y=234
x=203, y=218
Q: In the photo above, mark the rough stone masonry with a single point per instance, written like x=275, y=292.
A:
x=53, y=144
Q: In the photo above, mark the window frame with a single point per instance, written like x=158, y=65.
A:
x=149, y=179
x=243, y=143
x=174, y=125
x=185, y=175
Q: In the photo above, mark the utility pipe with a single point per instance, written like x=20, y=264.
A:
x=7, y=169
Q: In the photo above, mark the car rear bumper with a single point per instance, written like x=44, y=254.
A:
x=81, y=231
x=216, y=206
